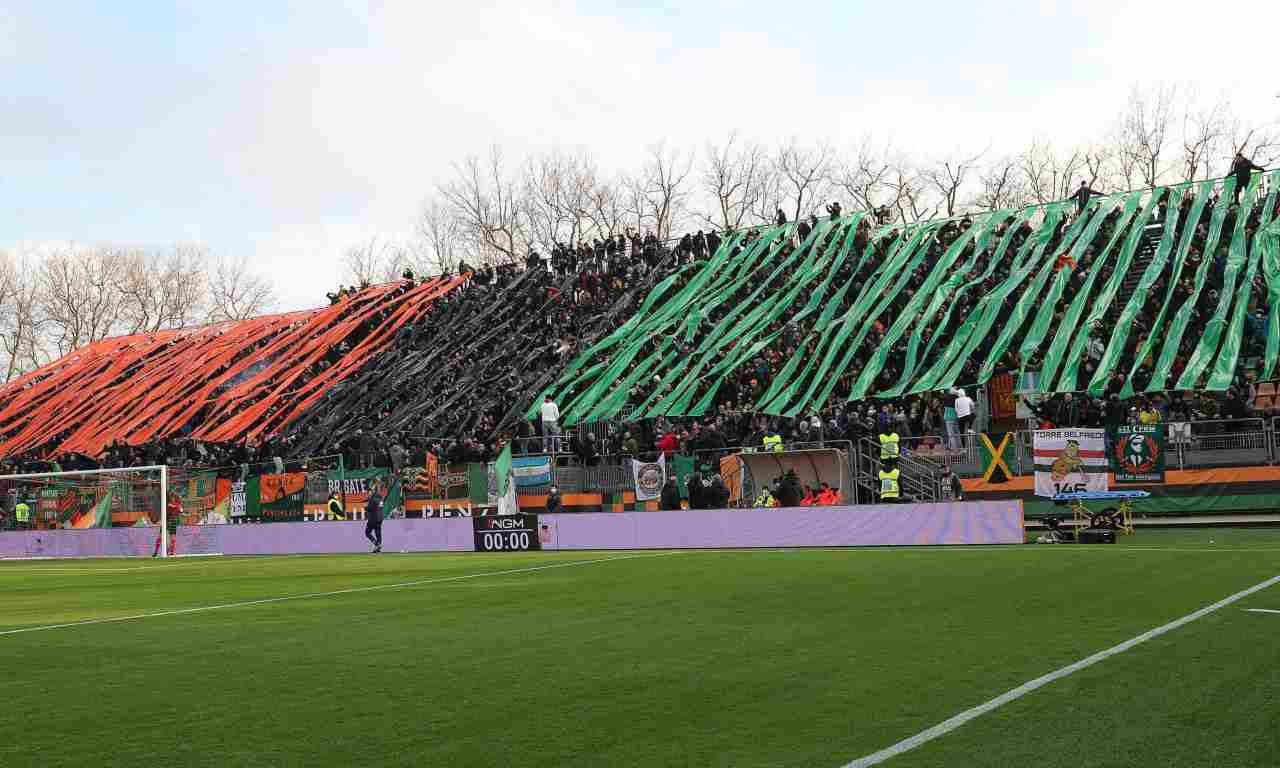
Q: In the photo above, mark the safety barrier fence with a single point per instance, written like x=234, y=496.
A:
x=1189, y=445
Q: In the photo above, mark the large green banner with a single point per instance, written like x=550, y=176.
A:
x=1137, y=453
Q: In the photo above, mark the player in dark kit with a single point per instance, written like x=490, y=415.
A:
x=373, y=516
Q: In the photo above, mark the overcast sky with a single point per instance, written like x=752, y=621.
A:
x=287, y=131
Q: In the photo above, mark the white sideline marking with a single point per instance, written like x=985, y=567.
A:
x=352, y=590
x=1261, y=610
x=947, y=726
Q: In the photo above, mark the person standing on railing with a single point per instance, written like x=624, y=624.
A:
x=1082, y=196
x=550, y=424
x=1241, y=167
x=964, y=411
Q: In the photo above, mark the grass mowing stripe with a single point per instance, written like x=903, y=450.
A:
x=949, y=725
x=332, y=593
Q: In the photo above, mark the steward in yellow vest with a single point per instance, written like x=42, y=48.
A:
x=888, y=446
x=335, y=508
x=889, y=486
x=773, y=442
x=22, y=514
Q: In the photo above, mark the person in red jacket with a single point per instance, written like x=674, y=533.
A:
x=668, y=443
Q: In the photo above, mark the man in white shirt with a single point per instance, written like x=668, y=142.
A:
x=550, y=424
x=964, y=410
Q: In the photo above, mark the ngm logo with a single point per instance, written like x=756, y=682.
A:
x=504, y=524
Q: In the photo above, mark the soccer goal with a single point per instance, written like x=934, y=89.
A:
x=127, y=512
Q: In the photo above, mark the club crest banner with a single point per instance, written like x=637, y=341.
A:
x=649, y=478
x=1070, y=460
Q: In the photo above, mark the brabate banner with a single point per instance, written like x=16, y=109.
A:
x=1137, y=454
x=649, y=478
x=1069, y=460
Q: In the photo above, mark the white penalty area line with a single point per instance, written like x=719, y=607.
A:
x=947, y=726
x=1260, y=610
x=332, y=593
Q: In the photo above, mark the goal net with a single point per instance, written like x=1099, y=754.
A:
x=128, y=512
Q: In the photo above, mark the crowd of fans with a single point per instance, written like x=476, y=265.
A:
x=459, y=381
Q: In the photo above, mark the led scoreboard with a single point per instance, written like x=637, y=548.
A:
x=506, y=533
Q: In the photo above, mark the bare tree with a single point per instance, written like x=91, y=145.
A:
x=1048, y=175
x=235, y=293
x=161, y=288
x=657, y=197
x=909, y=194
x=375, y=261
x=948, y=178
x=489, y=209
x=78, y=294
x=19, y=317
x=1141, y=135
x=437, y=249
x=735, y=176
x=864, y=177
x=805, y=175
x=1002, y=186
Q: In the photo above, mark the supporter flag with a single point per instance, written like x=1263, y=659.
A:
x=508, y=504
x=683, y=466
x=1070, y=460
x=1137, y=453
x=992, y=445
x=1004, y=403
x=649, y=478
x=97, y=516
x=531, y=471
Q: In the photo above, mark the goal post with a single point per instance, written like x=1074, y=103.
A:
x=121, y=512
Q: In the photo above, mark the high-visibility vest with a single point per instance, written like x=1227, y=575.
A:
x=22, y=512
x=335, y=510
x=765, y=499
x=889, y=484
x=889, y=446
x=773, y=443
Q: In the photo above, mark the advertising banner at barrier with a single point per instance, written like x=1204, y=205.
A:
x=244, y=498
x=1069, y=460
x=649, y=478
x=282, y=497
x=451, y=481
x=1137, y=454
x=531, y=471
x=355, y=485
x=198, y=494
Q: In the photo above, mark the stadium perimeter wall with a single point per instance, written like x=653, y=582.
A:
x=985, y=522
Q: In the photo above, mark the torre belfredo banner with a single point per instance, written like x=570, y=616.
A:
x=1070, y=460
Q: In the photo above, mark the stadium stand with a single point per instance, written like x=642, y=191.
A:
x=824, y=329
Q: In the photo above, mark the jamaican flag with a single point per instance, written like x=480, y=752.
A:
x=992, y=447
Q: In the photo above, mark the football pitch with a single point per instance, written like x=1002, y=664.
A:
x=692, y=658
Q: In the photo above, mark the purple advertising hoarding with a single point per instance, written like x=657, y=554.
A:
x=449, y=534
x=981, y=522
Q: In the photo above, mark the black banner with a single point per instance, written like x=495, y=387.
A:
x=506, y=533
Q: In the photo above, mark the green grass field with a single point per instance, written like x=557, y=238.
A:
x=733, y=658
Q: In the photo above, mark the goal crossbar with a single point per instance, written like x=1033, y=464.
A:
x=163, y=469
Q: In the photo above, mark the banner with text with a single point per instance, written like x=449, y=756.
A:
x=1137, y=453
x=1070, y=460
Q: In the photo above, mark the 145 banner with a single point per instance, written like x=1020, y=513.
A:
x=1070, y=460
